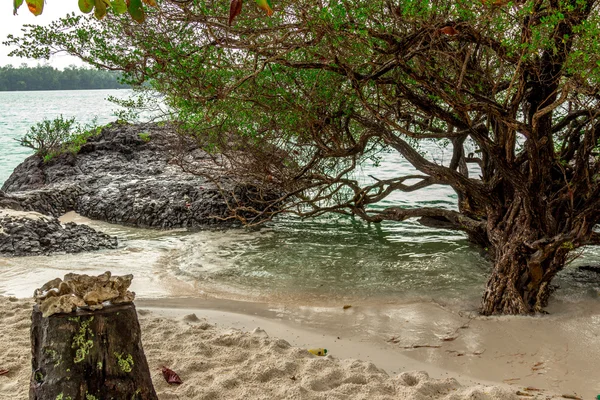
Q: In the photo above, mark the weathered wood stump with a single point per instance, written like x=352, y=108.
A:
x=89, y=355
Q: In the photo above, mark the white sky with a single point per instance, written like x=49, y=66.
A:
x=9, y=23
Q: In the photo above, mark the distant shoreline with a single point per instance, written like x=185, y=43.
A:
x=63, y=90
x=26, y=78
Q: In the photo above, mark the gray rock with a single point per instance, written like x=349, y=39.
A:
x=29, y=234
x=120, y=178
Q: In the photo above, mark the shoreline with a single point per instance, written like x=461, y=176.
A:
x=218, y=358
x=556, y=353
x=346, y=341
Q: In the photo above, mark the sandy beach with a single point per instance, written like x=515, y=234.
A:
x=221, y=354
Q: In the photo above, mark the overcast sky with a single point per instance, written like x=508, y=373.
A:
x=10, y=23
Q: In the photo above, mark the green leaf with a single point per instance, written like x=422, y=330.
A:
x=265, y=5
x=86, y=6
x=17, y=4
x=100, y=10
x=118, y=6
x=136, y=10
x=35, y=6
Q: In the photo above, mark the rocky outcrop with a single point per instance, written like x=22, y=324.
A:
x=25, y=233
x=125, y=175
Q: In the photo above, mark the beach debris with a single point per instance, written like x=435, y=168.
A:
x=453, y=335
x=448, y=339
x=519, y=393
x=571, y=396
x=421, y=346
x=171, y=376
x=259, y=332
x=318, y=352
x=460, y=353
x=532, y=389
x=293, y=377
x=396, y=340
x=4, y=371
x=191, y=318
x=347, y=306
x=83, y=291
x=537, y=366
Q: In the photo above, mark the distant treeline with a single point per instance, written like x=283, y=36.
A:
x=49, y=78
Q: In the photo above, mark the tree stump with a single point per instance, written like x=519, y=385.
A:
x=89, y=355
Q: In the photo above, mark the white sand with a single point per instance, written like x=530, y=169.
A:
x=222, y=363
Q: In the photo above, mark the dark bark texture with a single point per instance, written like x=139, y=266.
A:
x=89, y=355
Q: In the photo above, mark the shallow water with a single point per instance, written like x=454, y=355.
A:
x=321, y=261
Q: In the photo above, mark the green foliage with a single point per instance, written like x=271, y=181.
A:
x=100, y=7
x=48, y=136
x=118, y=6
x=38, y=377
x=51, y=138
x=130, y=109
x=86, y=6
x=136, y=10
x=49, y=78
x=568, y=245
x=145, y=136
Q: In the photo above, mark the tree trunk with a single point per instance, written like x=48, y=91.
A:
x=528, y=253
x=89, y=355
x=520, y=279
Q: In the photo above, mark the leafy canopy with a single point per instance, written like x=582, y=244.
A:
x=510, y=87
x=135, y=8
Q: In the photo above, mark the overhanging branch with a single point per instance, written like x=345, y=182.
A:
x=428, y=216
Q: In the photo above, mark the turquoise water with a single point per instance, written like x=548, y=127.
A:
x=20, y=110
x=323, y=259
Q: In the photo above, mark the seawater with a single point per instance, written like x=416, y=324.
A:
x=20, y=110
x=318, y=261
